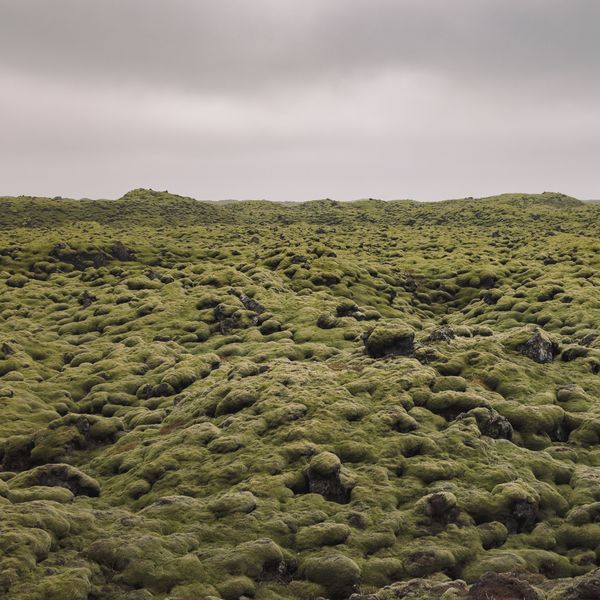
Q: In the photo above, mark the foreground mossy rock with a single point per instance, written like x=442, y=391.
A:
x=326, y=477
x=61, y=475
x=238, y=502
x=490, y=423
x=420, y=589
x=443, y=333
x=588, y=588
x=503, y=586
x=40, y=492
x=391, y=339
x=337, y=574
x=539, y=347
x=322, y=534
x=256, y=559
x=441, y=505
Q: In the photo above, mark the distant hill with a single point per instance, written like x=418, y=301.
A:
x=147, y=207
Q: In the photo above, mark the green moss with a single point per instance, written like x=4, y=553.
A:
x=390, y=340
x=30, y=494
x=322, y=534
x=235, y=401
x=428, y=560
x=236, y=587
x=290, y=402
x=325, y=464
x=240, y=502
x=336, y=573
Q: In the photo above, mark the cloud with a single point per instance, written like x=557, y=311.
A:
x=206, y=45
x=291, y=100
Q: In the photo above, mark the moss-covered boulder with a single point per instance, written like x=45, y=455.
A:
x=391, y=339
x=61, y=475
x=539, y=347
x=337, y=574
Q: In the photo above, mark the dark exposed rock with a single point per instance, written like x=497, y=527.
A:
x=6, y=350
x=357, y=520
x=560, y=432
x=539, y=348
x=298, y=259
x=502, y=586
x=439, y=505
x=98, y=257
x=145, y=391
x=587, y=588
x=80, y=259
x=228, y=324
x=86, y=299
x=439, y=510
x=250, y=303
x=270, y=326
x=162, y=389
x=588, y=339
x=326, y=321
x=442, y=334
x=324, y=477
x=573, y=352
x=487, y=281
x=121, y=252
x=490, y=298
x=346, y=309
x=427, y=355
x=278, y=571
x=327, y=279
x=152, y=275
x=523, y=516
x=330, y=487
x=418, y=589
x=410, y=285
x=17, y=453
x=82, y=425
x=490, y=423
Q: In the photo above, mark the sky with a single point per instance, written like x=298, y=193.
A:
x=300, y=99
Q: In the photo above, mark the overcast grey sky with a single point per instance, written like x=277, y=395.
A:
x=300, y=99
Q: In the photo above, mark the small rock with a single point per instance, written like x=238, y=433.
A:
x=503, y=586
x=445, y=333
x=539, y=348
x=324, y=478
x=121, y=252
x=587, y=588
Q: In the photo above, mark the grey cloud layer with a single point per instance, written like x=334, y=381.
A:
x=288, y=99
x=206, y=45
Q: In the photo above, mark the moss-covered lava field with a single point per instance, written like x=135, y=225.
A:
x=368, y=400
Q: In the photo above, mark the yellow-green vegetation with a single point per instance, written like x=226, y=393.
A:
x=368, y=400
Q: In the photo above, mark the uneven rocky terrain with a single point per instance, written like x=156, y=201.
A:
x=368, y=400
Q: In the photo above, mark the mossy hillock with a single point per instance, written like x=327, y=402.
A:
x=366, y=400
